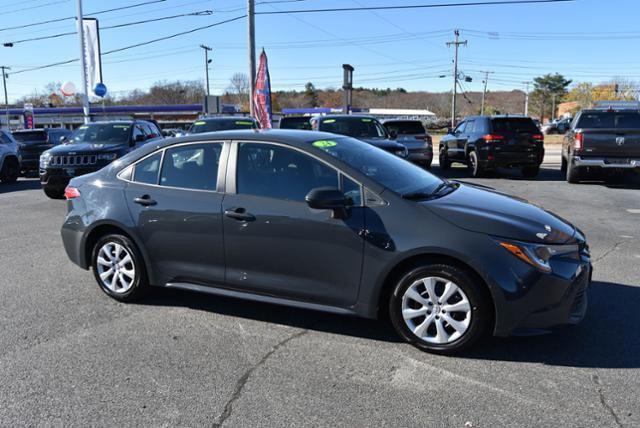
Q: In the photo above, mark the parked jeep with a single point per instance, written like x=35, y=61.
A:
x=33, y=142
x=9, y=164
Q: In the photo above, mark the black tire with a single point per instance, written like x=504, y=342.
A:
x=445, y=163
x=574, y=174
x=426, y=164
x=140, y=283
x=481, y=308
x=530, y=171
x=563, y=164
x=473, y=165
x=10, y=171
x=53, y=193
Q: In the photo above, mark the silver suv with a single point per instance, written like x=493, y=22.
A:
x=9, y=164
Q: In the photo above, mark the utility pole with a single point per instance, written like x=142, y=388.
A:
x=252, y=51
x=553, y=107
x=456, y=44
x=83, y=66
x=6, y=97
x=207, y=49
x=526, y=99
x=484, y=91
x=347, y=88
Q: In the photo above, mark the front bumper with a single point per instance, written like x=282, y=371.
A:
x=58, y=178
x=607, y=163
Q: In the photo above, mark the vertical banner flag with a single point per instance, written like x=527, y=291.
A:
x=92, y=52
x=262, y=94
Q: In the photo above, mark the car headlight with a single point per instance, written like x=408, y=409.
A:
x=44, y=159
x=538, y=255
x=402, y=152
x=107, y=156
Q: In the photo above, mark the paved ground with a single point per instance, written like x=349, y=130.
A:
x=71, y=356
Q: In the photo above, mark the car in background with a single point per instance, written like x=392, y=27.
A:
x=485, y=143
x=172, y=132
x=89, y=148
x=9, y=163
x=558, y=126
x=222, y=123
x=295, y=122
x=364, y=128
x=32, y=142
x=602, y=141
x=413, y=135
x=324, y=222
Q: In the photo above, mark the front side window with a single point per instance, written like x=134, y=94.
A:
x=278, y=172
x=471, y=126
x=194, y=166
x=460, y=128
x=146, y=171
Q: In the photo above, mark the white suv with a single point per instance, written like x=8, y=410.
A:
x=9, y=164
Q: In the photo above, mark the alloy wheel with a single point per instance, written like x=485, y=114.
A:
x=436, y=310
x=116, y=269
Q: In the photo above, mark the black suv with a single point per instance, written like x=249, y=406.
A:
x=32, y=142
x=90, y=148
x=485, y=143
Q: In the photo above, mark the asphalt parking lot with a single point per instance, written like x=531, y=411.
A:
x=69, y=355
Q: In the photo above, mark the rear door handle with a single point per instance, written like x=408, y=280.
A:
x=239, y=214
x=144, y=200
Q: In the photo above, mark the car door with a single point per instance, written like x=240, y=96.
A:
x=453, y=146
x=465, y=137
x=274, y=243
x=174, y=199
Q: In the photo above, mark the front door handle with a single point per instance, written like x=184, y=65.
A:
x=144, y=200
x=239, y=214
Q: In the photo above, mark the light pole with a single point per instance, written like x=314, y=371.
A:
x=207, y=61
x=6, y=97
x=83, y=66
x=484, y=91
x=347, y=88
x=526, y=99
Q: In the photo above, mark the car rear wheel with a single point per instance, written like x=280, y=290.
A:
x=426, y=164
x=118, y=268
x=474, y=167
x=574, y=174
x=445, y=163
x=440, y=308
x=53, y=193
x=10, y=171
x=530, y=171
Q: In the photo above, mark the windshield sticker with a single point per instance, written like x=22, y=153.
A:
x=329, y=121
x=83, y=127
x=122, y=126
x=324, y=144
x=201, y=122
x=366, y=120
x=240, y=122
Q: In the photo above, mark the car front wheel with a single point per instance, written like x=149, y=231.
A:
x=443, y=159
x=118, y=268
x=10, y=171
x=440, y=308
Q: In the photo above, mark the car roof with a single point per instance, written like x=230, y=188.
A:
x=345, y=116
x=214, y=118
x=24, y=131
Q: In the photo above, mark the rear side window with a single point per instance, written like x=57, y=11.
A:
x=520, y=125
x=295, y=123
x=622, y=120
x=31, y=137
x=278, y=172
x=146, y=171
x=407, y=127
x=194, y=166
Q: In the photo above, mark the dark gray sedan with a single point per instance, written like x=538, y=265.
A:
x=326, y=222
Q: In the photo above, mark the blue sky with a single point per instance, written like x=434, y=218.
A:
x=587, y=40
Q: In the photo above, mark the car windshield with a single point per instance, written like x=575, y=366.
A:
x=295, y=123
x=102, y=133
x=386, y=169
x=200, y=126
x=522, y=125
x=357, y=127
x=30, y=137
x=406, y=127
x=608, y=120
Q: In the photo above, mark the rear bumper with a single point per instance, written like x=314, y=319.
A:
x=608, y=163
x=490, y=158
x=420, y=155
x=29, y=164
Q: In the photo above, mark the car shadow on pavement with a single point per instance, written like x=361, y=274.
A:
x=607, y=337
x=20, y=185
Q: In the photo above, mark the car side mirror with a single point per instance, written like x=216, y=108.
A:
x=328, y=198
x=393, y=134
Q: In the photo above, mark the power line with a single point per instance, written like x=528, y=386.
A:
x=33, y=24
x=128, y=24
x=416, y=6
x=8, y=12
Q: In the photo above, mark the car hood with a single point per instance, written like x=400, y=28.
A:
x=494, y=213
x=64, y=149
x=382, y=142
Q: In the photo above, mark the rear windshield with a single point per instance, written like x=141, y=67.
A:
x=200, y=126
x=622, y=120
x=407, y=127
x=358, y=127
x=30, y=137
x=295, y=123
x=521, y=125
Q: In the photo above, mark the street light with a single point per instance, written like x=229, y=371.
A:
x=207, y=61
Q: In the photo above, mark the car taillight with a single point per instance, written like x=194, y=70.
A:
x=578, y=141
x=71, y=192
x=492, y=138
x=538, y=138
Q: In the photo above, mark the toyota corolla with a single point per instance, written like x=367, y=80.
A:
x=330, y=223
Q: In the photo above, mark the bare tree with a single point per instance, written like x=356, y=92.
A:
x=239, y=89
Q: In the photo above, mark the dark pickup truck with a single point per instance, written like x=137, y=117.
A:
x=601, y=140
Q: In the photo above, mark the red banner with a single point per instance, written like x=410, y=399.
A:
x=262, y=94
